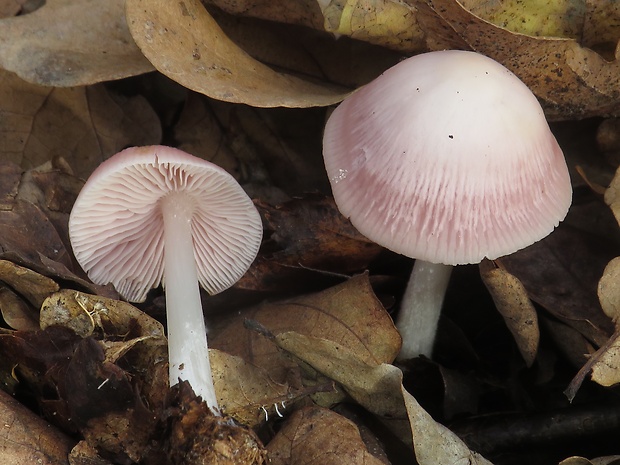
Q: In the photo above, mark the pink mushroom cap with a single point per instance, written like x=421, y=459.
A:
x=116, y=225
x=447, y=157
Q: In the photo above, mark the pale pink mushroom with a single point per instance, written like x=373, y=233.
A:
x=447, y=158
x=156, y=213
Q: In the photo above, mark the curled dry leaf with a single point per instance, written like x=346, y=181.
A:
x=40, y=123
x=315, y=435
x=71, y=43
x=184, y=42
x=572, y=81
x=515, y=306
x=34, y=287
x=20, y=302
x=26, y=438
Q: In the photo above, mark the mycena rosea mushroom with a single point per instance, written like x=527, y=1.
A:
x=153, y=214
x=446, y=158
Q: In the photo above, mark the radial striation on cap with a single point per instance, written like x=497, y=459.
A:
x=447, y=157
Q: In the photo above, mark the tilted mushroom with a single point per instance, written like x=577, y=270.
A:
x=153, y=214
x=447, y=158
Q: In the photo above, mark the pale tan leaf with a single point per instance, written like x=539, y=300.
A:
x=185, y=43
x=71, y=43
x=609, y=290
x=434, y=443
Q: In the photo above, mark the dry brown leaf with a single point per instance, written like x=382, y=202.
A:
x=185, y=43
x=245, y=392
x=515, y=306
x=313, y=436
x=26, y=438
x=349, y=314
x=572, y=81
x=71, y=43
x=84, y=125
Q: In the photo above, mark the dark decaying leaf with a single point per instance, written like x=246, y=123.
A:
x=197, y=437
x=295, y=231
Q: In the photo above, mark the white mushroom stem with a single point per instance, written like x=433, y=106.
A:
x=188, y=352
x=420, y=308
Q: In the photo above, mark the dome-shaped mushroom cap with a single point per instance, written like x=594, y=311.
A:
x=447, y=157
x=116, y=225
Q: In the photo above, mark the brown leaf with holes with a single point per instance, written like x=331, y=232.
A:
x=184, y=42
x=70, y=43
x=572, y=80
x=26, y=438
x=315, y=435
